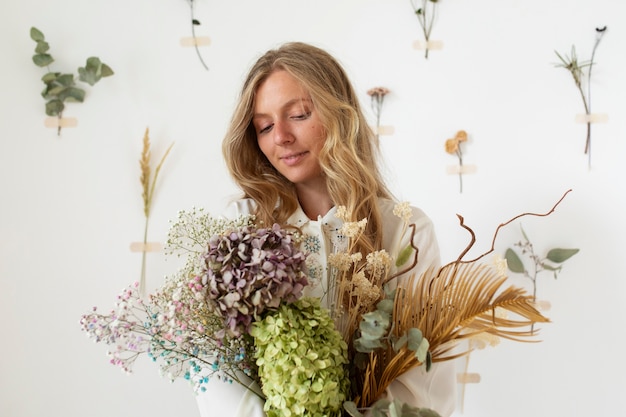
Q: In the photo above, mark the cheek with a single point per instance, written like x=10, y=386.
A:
x=264, y=145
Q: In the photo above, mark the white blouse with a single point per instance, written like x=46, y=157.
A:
x=435, y=389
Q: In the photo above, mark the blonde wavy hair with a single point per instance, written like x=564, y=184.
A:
x=347, y=159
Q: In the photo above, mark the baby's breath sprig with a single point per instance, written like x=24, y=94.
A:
x=426, y=14
x=576, y=69
x=148, y=183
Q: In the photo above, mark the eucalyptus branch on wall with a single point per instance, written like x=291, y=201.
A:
x=577, y=70
x=551, y=262
x=426, y=12
x=195, y=22
x=61, y=87
x=148, y=182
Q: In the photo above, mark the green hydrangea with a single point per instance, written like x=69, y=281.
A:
x=302, y=361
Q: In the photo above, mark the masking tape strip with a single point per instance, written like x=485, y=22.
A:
x=468, y=378
x=430, y=45
x=146, y=247
x=197, y=41
x=542, y=305
x=62, y=122
x=384, y=130
x=592, y=118
x=465, y=169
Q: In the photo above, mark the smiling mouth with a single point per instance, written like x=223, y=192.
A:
x=293, y=158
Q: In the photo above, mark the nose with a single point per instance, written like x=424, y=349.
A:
x=282, y=133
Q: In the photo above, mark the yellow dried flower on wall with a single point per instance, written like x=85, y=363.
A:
x=453, y=147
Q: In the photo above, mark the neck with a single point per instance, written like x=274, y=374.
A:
x=315, y=201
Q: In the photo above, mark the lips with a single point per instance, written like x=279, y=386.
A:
x=293, y=158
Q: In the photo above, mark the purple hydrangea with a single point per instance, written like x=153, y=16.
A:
x=249, y=270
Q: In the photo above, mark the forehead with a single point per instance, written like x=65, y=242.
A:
x=279, y=89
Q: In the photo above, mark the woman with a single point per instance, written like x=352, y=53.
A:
x=299, y=146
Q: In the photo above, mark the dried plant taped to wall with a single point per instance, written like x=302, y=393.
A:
x=453, y=147
x=61, y=87
x=148, y=182
x=195, y=22
x=426, y=13
x=551, y=262
x=377, y=95
x=577, y=70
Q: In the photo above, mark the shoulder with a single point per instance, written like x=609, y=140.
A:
x=388, y=209
x=240, y=207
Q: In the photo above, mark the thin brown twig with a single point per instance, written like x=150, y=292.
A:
x=493, y=242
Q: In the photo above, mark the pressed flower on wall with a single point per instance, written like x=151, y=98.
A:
x=453, y=147
x=426, y=12
x=552, y=261
x=377, y=95
x=148, y=183
x=195, y=22
x=61, y=87
x=577, y=70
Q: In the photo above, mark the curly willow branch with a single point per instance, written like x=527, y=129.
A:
x=460, y=260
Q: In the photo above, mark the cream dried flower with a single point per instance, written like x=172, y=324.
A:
x=353, y=229
x=342, y=261
x=403, y=211
x=342, y=213
x=500, y=264
x=378, y=264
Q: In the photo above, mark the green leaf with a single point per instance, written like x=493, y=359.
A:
x=88, y=75
x=66, y=80
x=72, y=94
x=400, y=343
x=43, y=60
x=93, y=63
x=54, y=107
x=418, y=344
x=106, y=71
x=560, y=255
x=404, y=255
x=50, y=77
x=426, y=412
x=54, y=91
x=36, y=35
x=42, y=47
x=550, y=267
x=351, y=409
x=524, y=233
x=513, y=262
x=385, y=306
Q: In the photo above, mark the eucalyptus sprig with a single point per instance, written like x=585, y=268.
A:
x=386, y=408
x=551, y=262
x=61, y=87
x=577, y=70
x=426, y=14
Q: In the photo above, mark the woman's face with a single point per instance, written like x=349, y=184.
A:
x=288, y=128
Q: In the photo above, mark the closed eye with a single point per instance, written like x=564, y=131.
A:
x=265, y=129
x=303, y=116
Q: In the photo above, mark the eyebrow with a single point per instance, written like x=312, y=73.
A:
x=286, y=105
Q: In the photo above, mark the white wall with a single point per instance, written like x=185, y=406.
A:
x=71, y=205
